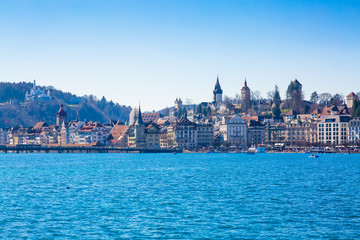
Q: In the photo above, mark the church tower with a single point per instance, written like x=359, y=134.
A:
x=139, y=131
x=245, y=97
x=217, y=91
x=60, y=115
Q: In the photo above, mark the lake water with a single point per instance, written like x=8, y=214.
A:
x=182, y=196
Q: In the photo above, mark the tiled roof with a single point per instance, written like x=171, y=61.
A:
x=184, y=121
x=39, y=125
x=150, y=117
x=118, y=131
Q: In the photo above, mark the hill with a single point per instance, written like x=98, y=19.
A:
x=15, y=110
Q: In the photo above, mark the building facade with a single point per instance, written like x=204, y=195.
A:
x=333, y=129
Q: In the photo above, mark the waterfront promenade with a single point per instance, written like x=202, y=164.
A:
x=80, y=149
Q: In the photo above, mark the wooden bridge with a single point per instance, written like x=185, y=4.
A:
x=80, y=149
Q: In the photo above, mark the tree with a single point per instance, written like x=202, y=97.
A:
x=337, y=99
x=355, y=109
x=276, y=112
x=270, y=94
x=276, y=102
x=188, y=101
x=237, y=98
x=255, y=95
x=324, y=98
x=276, y=96
x=314, y=98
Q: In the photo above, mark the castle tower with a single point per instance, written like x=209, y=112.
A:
x=245, y=97
x=178, y=103
x=350, y=99
x=217, y=91
x=60, y=115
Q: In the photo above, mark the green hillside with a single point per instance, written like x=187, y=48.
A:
x=14, y=110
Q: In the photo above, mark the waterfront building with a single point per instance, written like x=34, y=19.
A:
x=70, y=134
x=301, y=133
x=275, y=133
x=256, y=133
x=333, y=129
x=234, y=131
x=354, y=130
x=185, y=133
x=245, y=97
x=119, y=136
x=37, y=93
x=92, y=132
x=205, y=135
x=17, y=135
x=171, y=137
x=152, y=136
x=136, y=137
x=217, y=92
x=164, y=137
x=3, y=136
x=34, y=136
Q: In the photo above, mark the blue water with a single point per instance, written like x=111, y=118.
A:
x=182, y=196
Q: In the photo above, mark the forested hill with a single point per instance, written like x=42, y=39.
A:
x=14, y=110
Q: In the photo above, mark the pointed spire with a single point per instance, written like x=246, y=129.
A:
x=139, y=119
x=217, y=86
x=245, y=84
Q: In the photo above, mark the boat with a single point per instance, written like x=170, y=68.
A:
x=313, y=156
x=252, y=150
x=261, y=148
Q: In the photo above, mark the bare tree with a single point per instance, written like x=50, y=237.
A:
x=256, y=95
x=237, y=98
x=324, y=98
x=188, y=101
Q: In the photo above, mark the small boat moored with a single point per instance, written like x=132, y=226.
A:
x=313, y=156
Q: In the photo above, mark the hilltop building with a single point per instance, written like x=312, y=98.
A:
x=245, y=98
x=37, y=93
x=178, y=103
x=350, y=99
x=217, y=92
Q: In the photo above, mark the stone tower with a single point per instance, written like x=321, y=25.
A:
x=245, y=97
x=178, y=103
x=350, y=99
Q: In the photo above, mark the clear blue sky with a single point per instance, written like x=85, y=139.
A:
x=154, y=51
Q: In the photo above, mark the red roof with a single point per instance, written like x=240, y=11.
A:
x=118, y=131
x=352, y=94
